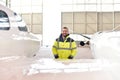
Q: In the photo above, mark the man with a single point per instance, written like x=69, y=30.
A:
x=64, y=47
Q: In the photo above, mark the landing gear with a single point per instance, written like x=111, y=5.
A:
x=82, y=43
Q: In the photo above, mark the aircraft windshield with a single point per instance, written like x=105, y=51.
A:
x=4, y=21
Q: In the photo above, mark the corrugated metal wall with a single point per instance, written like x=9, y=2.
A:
x=90, y=22
x=33, y=21
x=78, y=22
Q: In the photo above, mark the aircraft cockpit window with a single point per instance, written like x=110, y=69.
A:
x=4, y=21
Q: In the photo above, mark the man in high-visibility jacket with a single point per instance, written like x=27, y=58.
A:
x=64, y=47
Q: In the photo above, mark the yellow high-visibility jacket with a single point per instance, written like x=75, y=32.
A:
x=64, y=49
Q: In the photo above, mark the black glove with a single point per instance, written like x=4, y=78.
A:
x=70, y=57
x=56, y=56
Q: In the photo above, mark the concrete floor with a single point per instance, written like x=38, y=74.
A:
x=44, y=67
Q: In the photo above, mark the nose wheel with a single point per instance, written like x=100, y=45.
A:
x=82, y=43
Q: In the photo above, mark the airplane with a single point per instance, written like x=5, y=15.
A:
x=106, y=45
x=103, y=44
x=15, y=37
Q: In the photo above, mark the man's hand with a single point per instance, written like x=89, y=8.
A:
x=56, y=56
x=70, y=57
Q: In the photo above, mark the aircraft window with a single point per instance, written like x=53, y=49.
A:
x=3, y=14
x=4, y=21
x=22, y=28
x=21, y=23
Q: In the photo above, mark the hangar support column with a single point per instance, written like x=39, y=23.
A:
x=51, y=21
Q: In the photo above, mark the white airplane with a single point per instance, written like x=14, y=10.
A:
x=103, y=45
x=106, y=45
x=15, y=39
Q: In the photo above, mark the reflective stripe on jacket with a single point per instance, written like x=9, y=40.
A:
x=65, y=48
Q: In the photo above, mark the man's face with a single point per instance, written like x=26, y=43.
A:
x=65, y=32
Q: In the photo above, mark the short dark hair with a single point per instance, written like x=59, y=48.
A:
x=65, y=27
